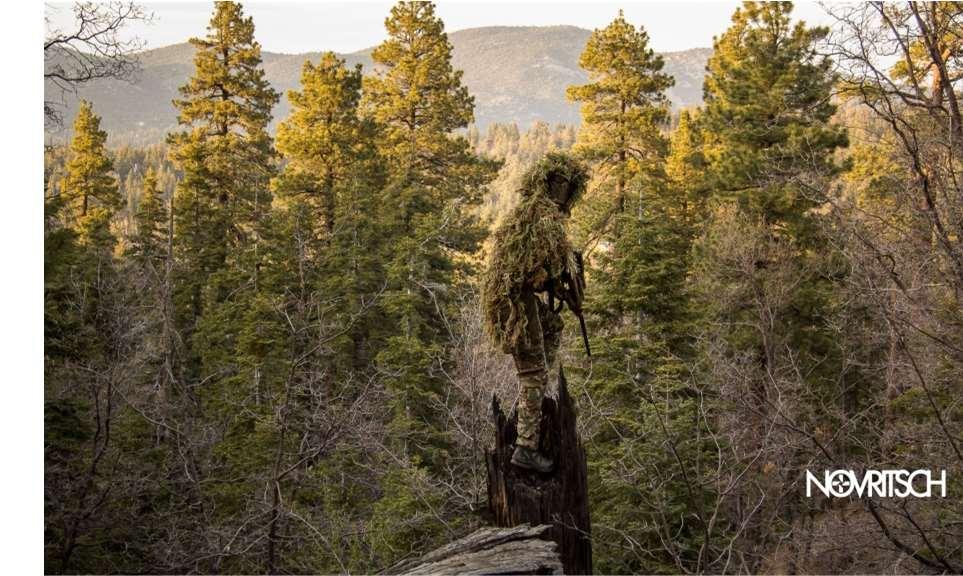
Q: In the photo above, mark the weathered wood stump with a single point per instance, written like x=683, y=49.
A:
x=560, y=498
x=520, y=550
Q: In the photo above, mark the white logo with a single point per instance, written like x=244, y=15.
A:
x=879, y=483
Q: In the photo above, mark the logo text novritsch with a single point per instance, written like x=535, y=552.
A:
x=877, y=483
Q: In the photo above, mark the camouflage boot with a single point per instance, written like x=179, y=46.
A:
x=526, y=453
x=525, y=457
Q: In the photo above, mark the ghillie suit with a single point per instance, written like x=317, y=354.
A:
x=531, y=255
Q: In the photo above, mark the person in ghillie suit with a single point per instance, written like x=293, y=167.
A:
x=531, y=262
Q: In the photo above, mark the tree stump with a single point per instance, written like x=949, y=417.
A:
x=560, y=498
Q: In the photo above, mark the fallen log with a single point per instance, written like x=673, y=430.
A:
x=518, y=550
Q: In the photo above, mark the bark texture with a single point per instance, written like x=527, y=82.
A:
x=519, y=550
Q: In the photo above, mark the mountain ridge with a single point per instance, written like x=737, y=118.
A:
x=516, y=73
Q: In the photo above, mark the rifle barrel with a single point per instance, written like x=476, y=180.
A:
x=585, y=340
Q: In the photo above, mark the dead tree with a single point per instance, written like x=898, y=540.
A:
x=92, y=48
x=560, y=498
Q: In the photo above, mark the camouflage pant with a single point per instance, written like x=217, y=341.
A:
x=534, y=355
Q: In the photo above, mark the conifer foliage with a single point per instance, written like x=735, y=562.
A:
x=767, y=113
x=638, y=230
x=226, y=155
x=434, y=180
x=149, y=240
x=85, y=344
x=89, y=192
x=268, y=356
x=323, y=139
x=624, y=104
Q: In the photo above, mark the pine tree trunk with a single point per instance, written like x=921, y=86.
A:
x=560, y=498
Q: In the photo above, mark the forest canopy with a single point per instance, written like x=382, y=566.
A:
x=264, y=353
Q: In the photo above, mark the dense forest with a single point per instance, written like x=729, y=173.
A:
x=263, y=350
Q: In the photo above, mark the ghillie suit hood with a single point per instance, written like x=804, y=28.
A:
x=555, y=167
x=531, y=242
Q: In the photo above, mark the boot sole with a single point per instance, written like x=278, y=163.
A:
x=533, y=468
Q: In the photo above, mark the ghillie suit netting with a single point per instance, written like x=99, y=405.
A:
x=530, y=247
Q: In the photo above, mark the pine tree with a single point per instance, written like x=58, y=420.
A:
x=769, y=142
x=687, y=170
x=78, y=247
x=327, y=195
x=86, y=334
x=635, y=287
x=624, y=111
x=419, y=99
x=624, y=106
x=233, y=335
x=322, y=140
x=640, y=226
x=149, y=241
x=764, y=272
x=434, y=181
x=767, y=113
x=324, y=274
x=89, y=189
x=225, y=153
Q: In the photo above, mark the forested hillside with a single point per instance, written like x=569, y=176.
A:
x=263, y=345
x=516, y=74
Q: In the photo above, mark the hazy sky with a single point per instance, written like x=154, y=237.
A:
x=349, y=26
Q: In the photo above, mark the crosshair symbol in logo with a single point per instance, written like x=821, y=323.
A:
x=840, y=483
